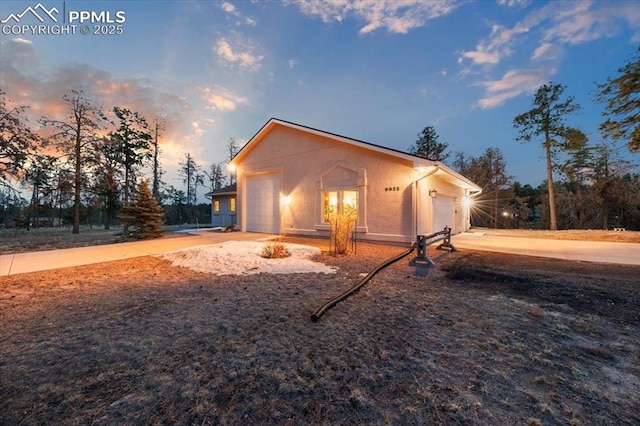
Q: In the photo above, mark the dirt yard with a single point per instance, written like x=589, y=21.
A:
x=482, y=339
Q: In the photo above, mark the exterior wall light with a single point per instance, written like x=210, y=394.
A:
x=433, y=193
x=286, y=199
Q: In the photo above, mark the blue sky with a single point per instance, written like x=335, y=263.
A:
x=374, y=70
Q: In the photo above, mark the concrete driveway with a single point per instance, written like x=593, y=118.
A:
x=587, y=251
x=12, y=264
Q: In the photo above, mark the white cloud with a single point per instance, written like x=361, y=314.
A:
x=22, y=40
x=512, y=84
x=561, y=22
x=397, y=16
x=328, y=11
x=235, y=55
x=228, y=7
x=585, y=22
x=552, y=26
x=231, y=10
x=512, y=3
x=221, y=99
x=292, y=63
x=499, y=43
x=547, y=52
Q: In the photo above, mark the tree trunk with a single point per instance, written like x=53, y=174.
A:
x=553, y=222
x=78, y=183
x=127, y=159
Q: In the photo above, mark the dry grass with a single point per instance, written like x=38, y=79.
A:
x=571, y=234
x=15, y=240
x=482, y=339
x=274, y=250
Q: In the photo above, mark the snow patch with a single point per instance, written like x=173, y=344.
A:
x=243, y=258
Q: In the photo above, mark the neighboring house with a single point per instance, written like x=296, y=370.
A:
x=290, y=176
x=223, y=206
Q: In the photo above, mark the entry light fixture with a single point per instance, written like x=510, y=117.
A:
x=286, y=199
x=433, y=193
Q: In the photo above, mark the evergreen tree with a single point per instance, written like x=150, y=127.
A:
x=546, y=121
x=143, y=214
x=134, y=142
x=427, y=146
x=490, y=172
x=622, y=111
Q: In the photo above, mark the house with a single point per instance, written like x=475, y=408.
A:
x=291, y=176
x=223, y=206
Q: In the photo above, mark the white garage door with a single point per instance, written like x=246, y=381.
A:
x=262, y=203
x=443, y=213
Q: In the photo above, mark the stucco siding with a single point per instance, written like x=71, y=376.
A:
x=384, y=182
x=392, y=188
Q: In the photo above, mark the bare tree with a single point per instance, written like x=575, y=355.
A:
x=73, y=137
x=17, y=141
x=232, y=149
x=216, y=176
x=191, y=177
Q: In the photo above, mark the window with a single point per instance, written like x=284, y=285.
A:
x=340, y=202
x=216, y=205
x=232, y=204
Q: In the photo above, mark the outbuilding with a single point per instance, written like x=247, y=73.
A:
x=290, y=176
x=223, y=206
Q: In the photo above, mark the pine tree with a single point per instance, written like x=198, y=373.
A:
x=427, y=145
x=143, y=214
x=621, y=96
x=546, y=122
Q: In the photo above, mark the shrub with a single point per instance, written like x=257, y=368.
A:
x=342, y=227
x=274, y=251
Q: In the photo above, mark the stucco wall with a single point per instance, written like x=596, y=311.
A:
x=224, y=217
x=309, y=164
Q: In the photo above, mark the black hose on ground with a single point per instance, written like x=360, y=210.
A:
x=330, y=304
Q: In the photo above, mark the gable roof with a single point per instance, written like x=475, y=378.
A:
x=226, y=190
x=434, y=167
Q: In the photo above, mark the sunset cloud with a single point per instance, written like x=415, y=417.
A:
x=43, y=92
x=222, y=99
x=240, y=55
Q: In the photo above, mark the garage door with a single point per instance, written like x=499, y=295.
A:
x=443, y=213
x=262, y=203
